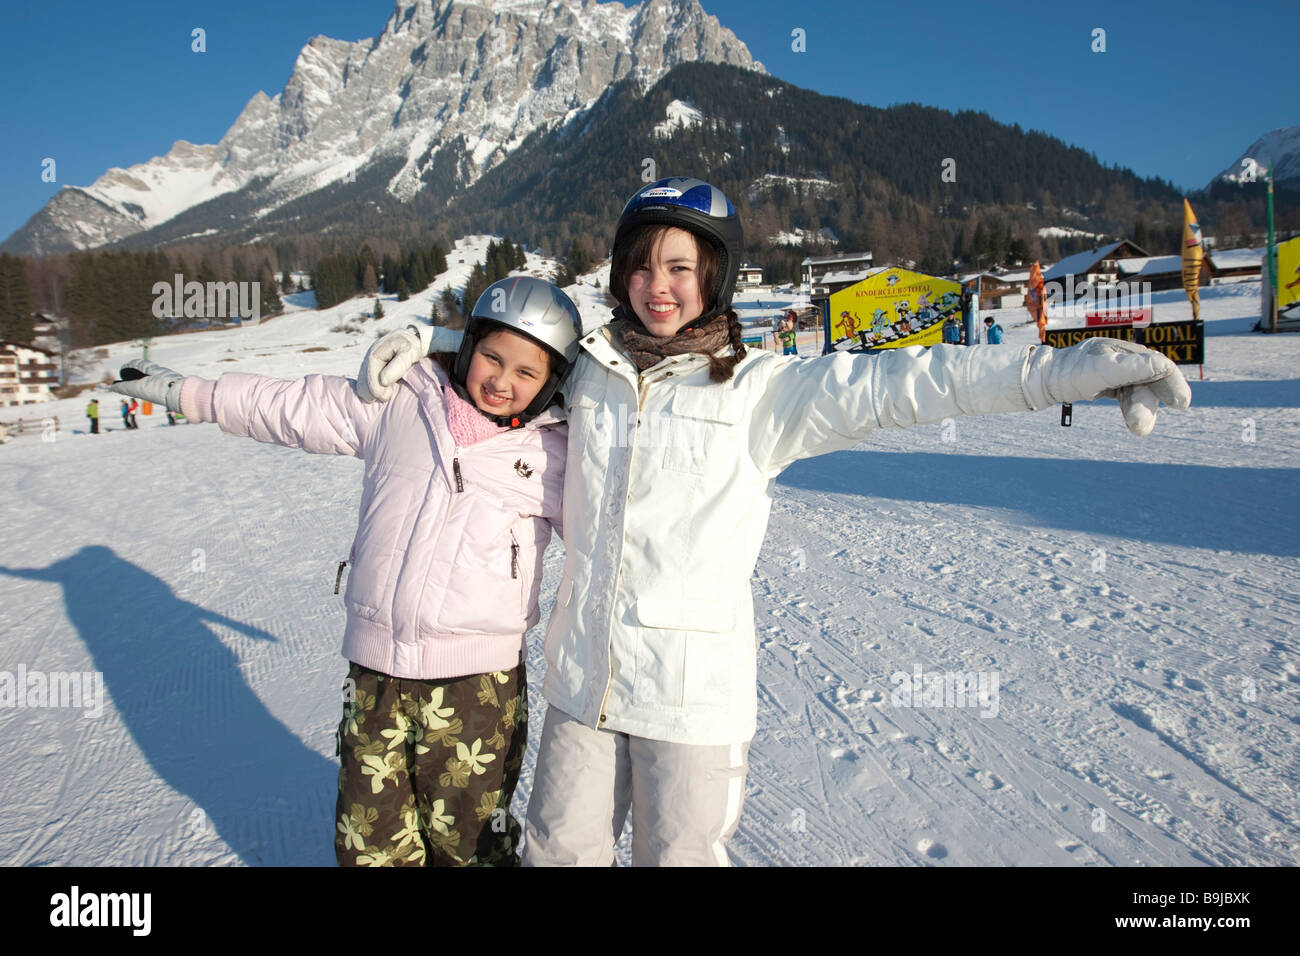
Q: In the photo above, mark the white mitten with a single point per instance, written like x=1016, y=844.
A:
x=1135, y=376
x=150, y=382
x=392, y=356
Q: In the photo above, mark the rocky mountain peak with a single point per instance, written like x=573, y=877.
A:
x=475, y=78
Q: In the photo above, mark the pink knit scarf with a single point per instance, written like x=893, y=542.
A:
x=468, y=425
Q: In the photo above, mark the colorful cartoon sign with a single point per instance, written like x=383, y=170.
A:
x=894, y=308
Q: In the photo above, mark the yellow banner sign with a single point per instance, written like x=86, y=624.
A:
x=1288, y=272
x=894, y=308
x=1193, y=252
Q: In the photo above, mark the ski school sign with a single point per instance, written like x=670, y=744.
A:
x=1182, y=342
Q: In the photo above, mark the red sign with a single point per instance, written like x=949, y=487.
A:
x=1118, y=317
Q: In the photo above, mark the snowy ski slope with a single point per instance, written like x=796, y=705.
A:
x=1134, y=599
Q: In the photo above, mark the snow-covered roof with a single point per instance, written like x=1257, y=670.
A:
x=1158, y=266
x=1237, y=258
x=855, y=275
x=1080, y=262
x=1006, y=277
x=829, y=260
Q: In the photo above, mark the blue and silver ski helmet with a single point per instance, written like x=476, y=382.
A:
x=533, y=308
x=700, y=209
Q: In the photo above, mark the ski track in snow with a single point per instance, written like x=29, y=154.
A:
x=1136, y=599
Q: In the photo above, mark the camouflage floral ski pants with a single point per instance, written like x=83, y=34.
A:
x=427, y=769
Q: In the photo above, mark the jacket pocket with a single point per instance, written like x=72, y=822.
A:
x=684, y=650
x=484, y=590
x=584, y=409
x=703, y=429
x=388, y=502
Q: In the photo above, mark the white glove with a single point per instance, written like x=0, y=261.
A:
x=1137, y=377
x=150, y=382
x=392, y=356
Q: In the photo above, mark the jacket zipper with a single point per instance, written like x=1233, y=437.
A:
x=352, y=554
x=640, y=406
x=455, y=470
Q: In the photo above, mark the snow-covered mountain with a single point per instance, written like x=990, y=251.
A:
x=1281, y=147
x=472, y=78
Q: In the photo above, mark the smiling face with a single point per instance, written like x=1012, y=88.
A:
x=505, y=373
x=664, y=291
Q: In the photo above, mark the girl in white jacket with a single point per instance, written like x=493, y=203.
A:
x=463, y=480
x=676, y=436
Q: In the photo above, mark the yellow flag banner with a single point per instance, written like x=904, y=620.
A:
x=1036, y=300
x=1193, y=252
x=894, y=308
x=1288, y=272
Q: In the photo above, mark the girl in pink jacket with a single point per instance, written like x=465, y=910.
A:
x=463, y=484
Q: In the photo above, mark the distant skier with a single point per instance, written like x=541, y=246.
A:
x=992, y=331
x=464, y=480
x=92, y=413
x=650, y=650
x=952, y=331
x=126, y=414
x=131, y=412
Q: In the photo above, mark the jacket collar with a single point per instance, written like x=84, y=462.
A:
x=599, y=344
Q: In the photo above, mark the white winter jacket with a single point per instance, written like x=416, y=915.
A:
x=669, y=482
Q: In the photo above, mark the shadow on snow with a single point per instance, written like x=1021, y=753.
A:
x=180, y=692
x=1195, y=506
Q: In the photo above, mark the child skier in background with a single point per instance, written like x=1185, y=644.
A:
x=463, y=481
x=677, y=434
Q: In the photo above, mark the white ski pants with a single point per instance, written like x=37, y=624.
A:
x=685, y=799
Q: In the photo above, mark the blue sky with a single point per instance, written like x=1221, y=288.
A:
x=1181, y=90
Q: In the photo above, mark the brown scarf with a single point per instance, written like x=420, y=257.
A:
x=648, y=350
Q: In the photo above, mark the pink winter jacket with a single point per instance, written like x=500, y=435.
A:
x=447, y=560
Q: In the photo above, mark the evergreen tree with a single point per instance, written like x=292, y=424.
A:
x=474, y=287
x=392, y=270
x=454, y=320
x=1141, y=234
x=16, y=323
x=269, y=298
x=379, y=310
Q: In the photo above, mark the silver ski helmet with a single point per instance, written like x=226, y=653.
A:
x=700, y=209
x=533, y=308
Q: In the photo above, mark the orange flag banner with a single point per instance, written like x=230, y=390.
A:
x=1193, y=253
x=1036, y=300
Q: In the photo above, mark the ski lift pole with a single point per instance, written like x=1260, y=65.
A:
x=1270, y=253
x=144, y=349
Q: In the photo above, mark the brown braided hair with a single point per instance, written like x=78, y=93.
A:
x=636, y=252
x=722, y=367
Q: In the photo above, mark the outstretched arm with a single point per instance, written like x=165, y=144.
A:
x=830, y=403
x=320, y=413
